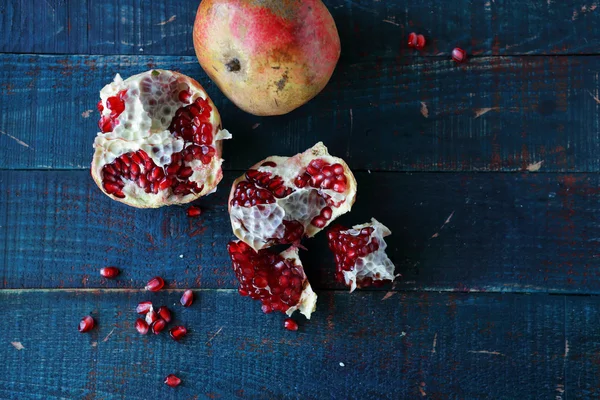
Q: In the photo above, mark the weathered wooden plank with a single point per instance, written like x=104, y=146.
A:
x=438, y=346
x=504, y=232
x=505, y=114
x=368, y=29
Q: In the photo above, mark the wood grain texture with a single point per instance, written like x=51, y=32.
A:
x=504, y=232
x=368, y=29
x=493, y=114
x=435, y=346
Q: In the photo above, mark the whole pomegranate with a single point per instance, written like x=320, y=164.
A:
x=282, y=199
x=160, y=141
x=267, y=56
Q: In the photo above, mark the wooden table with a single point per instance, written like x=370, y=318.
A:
x=486, y=172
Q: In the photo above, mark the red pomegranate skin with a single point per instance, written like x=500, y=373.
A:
x=267, y=56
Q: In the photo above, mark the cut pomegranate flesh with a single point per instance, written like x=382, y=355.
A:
x=282, y=199
x=158, y=326
x=109, y=272
x=143, y=307
x=360, y=256
x=86, y=324
x=459, y=55
x=277, y=280
x=141, y=326
x=155, y=284
x=172, y=380
x=187, y=298
x=164, y=313
x=177, y=332
x=290, y=324
x=160, y=140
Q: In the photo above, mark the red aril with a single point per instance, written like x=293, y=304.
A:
x=177, y=332
x=290, y=324
x=360, y=256
x=143, y=307
x=109, y=272
x=164, y=313
x=155, y=284
x=141, y=326
x=172, y=380
x=282, y=199
x=151, y=317
x=86, y=324
x=193, y=211
x=459, y=55
x=187, y=298
x=160, y=141
x=277, y=280
x=412, y=40
x=158, y=326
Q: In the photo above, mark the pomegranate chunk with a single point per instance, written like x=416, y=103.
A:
x=177, y=332
x=155, y=284
x=158, y=326
x=187, y=298
x=277, y=280
x=459, y=55
x=360, y=256
x=109, y=272
x=86, y=324
x=164, y=313
x=141, y=326
x=193, y=211
x=290, y=324
x=172, y=380
x=143, y=307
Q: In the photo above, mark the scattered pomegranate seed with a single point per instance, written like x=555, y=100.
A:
x=420, y=42
x=158, y=326
x=290, y=324
x=155, y=284
x=141, y=326
x=151, y=316
x=187, y=298
x=412, y=40
x=143, y=307
x=164, y=313
x=416, y=41
x=193, y=211
x=86, y=324
x=172, y=380
x=177, y=332
x=459, y=55
x=109, y=272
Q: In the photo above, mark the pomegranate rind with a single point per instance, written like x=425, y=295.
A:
x=375, y=265
x=258, y=225
x=145, y=126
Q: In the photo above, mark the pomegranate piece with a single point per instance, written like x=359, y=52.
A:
x=193, y=211
x=141, y=326
x=158, y=326
x=164, y=313
x=86, y=324
x=290, y=324
x=459, y=55
x=187, y=298
x=160, y=141
x=109, y=272
x=360, y=256
x=144, y=307
x=177, y=332
x=282, y=199
x=172, y=380
x=155, y=284
x=277, y=280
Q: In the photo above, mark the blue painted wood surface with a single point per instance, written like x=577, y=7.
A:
x=417, y=128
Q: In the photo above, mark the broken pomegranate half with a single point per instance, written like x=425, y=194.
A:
x=277, y=280
x=360, y=256
x=160, y=141
x=282, y=199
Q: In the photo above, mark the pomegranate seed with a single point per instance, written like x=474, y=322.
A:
x=151, y=317
x=164, y=313
x=290, y=324
x=100, y=106
x=412, y=40
x=172, y=380
x=141, y=326
x=420, y=42
x=143, y=307
x=86, y=324
x=187, y=298
x=155, y=284
x=193, y=211
x=459, y=55
x=158, y=326
x=184, y=96
x=177, y=332
x=109, y=272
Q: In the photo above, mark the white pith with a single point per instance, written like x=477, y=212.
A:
x=376, y=265
x=258, y=224
x=144, y=126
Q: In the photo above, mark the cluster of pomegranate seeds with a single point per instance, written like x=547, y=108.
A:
x=193, y=211
x=192, y=123
x=187, y=298
x=268, y=277
x=290, y=324
x=348, y=248
x=172, y=381
x=260, y=188
x=109, y=272
x=86, y=324
x=177, y=332
x=416, y=41
x=116, y=105
x=155, y=284
x=141, y=326
x=459, y=55
x=320, y=174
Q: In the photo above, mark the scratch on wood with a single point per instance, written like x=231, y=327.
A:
x=583, y=10
x=391, y=292
x=442, y=227
x=351, y=121
x=17, y=345
x=566, y=348
x=256, y=125
x=167, y=21
x=494, y=353
x=535, y=166
x=86, y=113
x=434, y=343
x=213, y=336
x=594, y=97
x=424, y=110
x=480, y=111
x=109, y=334
x=17, y=140
x=390, y=22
